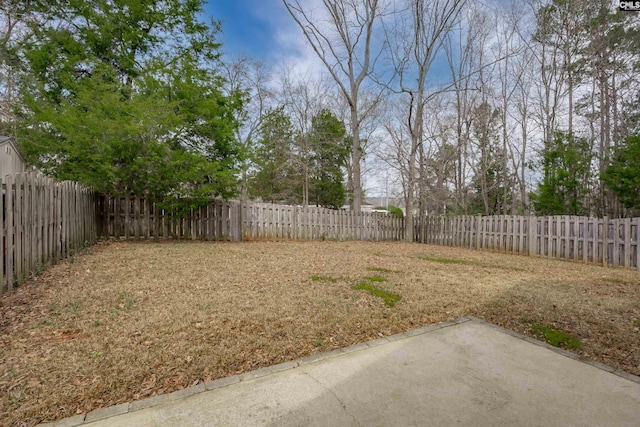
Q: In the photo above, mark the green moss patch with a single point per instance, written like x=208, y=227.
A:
x=611, y=280
x=467, y=262
x=381, y=270
x=323, y=279
x=390, y=299
x=556, y=337
x=378, y=279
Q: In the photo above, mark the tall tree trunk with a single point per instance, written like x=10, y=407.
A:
x=356, y=155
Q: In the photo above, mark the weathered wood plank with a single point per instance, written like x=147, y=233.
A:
x=3, y=238
x=18, y=226
x=10, y=232
x=637, y=242
x=628, y=251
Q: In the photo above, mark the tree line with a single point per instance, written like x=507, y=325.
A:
x=491, y=108
x=468, y=108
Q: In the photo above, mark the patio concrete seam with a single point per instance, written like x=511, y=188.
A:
x=333, y=393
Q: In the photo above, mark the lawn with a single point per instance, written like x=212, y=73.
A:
x=130, y=320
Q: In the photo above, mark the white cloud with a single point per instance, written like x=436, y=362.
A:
x=290, y=49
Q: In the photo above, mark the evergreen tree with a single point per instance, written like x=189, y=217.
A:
x=565, y=185
x=623, y=175
x=330, y=153
x=276, y=179
x=123, y=95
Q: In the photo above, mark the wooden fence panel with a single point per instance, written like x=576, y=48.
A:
x=42, y=221
x=221, y=220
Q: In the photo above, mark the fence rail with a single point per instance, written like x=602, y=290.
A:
x=42, y=222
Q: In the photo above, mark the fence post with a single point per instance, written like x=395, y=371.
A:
x=18, y=227
x=575, y=229
x=628, y=250
x=473, y=236
x=616, y=243
x=605, y=241
x=10, y=232
x=238, y=221
x=581, y=230
x=530, y=236
x=136, y=217
x=637, y=221
x=2, y=240
x=127, y=207
x=147, y=217
x=519, y=235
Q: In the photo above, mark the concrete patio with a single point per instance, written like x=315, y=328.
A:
x=464, y=372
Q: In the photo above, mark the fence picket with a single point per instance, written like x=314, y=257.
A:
x=636, y=240
x=3, y=238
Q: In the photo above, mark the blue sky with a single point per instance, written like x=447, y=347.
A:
x=263, y=29
x=250, y=27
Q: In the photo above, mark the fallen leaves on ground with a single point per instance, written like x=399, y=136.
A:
x=132, y=320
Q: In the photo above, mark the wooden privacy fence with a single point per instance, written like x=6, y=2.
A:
x=140, y=218
x=268, y=221
x=43, y=221
x=609, y=242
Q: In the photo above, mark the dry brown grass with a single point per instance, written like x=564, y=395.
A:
x=128, y=321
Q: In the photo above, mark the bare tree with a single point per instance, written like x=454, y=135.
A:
x=369, y=129
x=611, y=62
x=553, y=75
x=464, y=47
x=437, y=157
x=343, y=40
x=303, y=97
x=522, y=72
x=509, y=48
x=413, y=50
x=394, y=153
x=14, y=14
x=251, y=78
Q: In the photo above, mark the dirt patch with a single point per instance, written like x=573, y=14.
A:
x=128, y=320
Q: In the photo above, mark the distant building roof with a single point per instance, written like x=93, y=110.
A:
x=11, y=141
x=383, y=201
x=11, y=160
